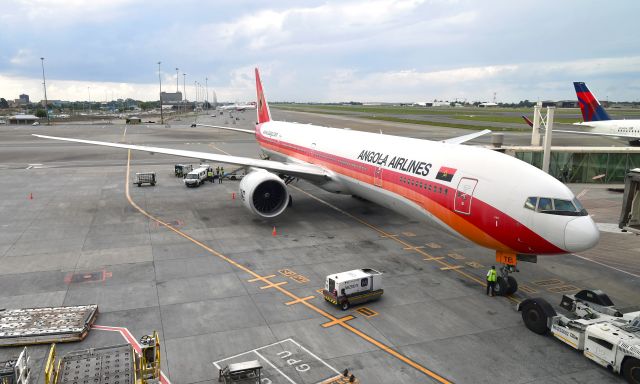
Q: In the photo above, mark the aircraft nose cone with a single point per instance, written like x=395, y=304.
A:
x=581, y=234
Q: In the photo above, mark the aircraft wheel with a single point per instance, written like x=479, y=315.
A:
x=535, y=313
x=631, y=370
x=345, y=305
x=501, y=287
x=513, y=285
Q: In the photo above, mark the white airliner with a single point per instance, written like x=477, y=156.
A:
x=490, y=198
x=598, y=122
x=238, y=107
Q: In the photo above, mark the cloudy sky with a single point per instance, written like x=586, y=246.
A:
x=370, y=50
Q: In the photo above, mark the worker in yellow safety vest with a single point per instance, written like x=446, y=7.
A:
x=492, y=277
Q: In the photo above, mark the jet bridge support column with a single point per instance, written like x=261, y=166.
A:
x=548, y=133
x=535, y=134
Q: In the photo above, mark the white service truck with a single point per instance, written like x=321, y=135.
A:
x=196, y=177
x=594, y=326
x=353, y=287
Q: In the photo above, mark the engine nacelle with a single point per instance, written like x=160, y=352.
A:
x=264, y=193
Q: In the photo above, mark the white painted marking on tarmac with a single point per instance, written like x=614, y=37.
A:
x=606, y=265
x=33, y=166
x=582, y=193
x=611, y=228
x=312, y=354
x=274, y=367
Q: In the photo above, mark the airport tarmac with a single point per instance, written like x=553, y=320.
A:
x=219, y=287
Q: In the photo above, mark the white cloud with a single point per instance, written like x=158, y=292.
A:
x=22, y=57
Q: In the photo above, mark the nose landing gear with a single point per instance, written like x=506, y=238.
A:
x=505, y=284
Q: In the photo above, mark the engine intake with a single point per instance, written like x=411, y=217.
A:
x=264, y=193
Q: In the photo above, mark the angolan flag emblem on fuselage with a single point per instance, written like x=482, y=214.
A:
x=446, y=173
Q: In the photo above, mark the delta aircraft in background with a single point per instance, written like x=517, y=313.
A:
x=490, y=198
x=597, y=120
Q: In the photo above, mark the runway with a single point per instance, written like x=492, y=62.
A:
x=218, y=286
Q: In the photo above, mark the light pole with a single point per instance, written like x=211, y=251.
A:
x=206, y=91
x=177, y=77
x=184, y=91
x=44, y=84
x=160, y=82
x=89, y=92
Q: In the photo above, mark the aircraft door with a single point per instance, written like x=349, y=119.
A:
x=464, y=195
x=377, y=177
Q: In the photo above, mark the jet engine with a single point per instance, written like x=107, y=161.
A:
x=264, y=193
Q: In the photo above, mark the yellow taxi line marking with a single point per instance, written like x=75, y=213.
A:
x=261, y=278
x=453, y=267
x=320, y=291
x=300, y=300
x=434, y=258
x=367, y=312
x=398, y=240
x=433, y=245
x=273, y=285
x=413, y=248
x=337, y=321
x=284, y=291
x=456, y=256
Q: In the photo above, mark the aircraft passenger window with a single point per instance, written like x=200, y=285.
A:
x=446, y=190
x=545, y=204
x=531, y=203
x=440, y=190
x=429, y=187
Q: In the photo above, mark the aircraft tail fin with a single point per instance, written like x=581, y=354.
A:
x=262, y=107
x=527, y=120
x=590, y=106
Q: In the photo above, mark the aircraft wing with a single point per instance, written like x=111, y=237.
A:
x=589, y=133
x=227, y=128
x=462, y=139
x=306, y=171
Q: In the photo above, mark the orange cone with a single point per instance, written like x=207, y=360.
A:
x=274, y=233
x=30, y=195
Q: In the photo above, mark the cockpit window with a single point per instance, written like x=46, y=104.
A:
x=563, y=205
x=555, y=206
x=545, y=204
x=531, y=203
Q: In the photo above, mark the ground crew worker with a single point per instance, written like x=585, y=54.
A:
x=210, y=175
x=221, y=175
x=492, y=277
x=218, y=172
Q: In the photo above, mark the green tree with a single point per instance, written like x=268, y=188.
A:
x=3, y=103
x=41, y=113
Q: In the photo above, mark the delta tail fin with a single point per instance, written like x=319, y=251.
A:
x=527, y=120
x=262, y=107
x=589, y=105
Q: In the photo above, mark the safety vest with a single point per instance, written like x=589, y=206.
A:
x=492, y=275
x=210, y=174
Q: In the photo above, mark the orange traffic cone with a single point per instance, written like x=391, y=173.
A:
x=30, y=195
x=274, y=233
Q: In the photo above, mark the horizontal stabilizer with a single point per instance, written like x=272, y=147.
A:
x=465, y=138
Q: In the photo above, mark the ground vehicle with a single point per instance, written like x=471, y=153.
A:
x=353, y=287
x=145, y=178
x=196, y=177
x=241, y=373
x=181, y=170
x=595, y=326
x=36, y=123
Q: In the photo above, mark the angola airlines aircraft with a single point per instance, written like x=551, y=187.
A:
x=597, y=120
x=490, y=198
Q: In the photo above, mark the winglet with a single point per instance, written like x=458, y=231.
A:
x=262, y=108
x=589, y=105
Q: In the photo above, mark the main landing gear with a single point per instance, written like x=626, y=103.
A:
x=506, y=285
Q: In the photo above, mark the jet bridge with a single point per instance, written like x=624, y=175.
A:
x=630, y=213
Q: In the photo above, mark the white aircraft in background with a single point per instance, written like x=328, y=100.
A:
x=598, y=122
x=238, y=107
x=490, y=198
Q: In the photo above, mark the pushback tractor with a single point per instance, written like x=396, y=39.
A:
x=594, y=326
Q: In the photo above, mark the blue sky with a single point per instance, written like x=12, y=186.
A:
x=376, y=50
